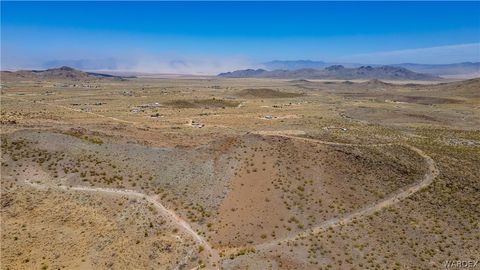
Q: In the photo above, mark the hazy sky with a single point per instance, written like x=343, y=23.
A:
x=209, y=37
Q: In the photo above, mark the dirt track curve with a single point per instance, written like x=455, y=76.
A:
x=390, y=200
x=181, y=224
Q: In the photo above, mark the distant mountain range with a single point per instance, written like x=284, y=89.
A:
x=334, y=72
x=301, y=69
x=464, y=68
x=64, y=72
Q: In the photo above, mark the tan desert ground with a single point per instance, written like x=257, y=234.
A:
x=218, y=173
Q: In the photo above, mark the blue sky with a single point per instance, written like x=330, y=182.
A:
x=208, y=37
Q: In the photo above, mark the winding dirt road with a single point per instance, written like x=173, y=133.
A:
x=430, y=174
x=390, y=200
x=178, y=221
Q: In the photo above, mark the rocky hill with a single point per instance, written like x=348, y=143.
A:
x=334, y=72
x=62, y=73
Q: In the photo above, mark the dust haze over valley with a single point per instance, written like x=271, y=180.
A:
x=295, y=164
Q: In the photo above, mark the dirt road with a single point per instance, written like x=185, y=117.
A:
x=390, y=200
x=178, y=221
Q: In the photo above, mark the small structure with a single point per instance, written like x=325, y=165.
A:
x=156, y=115
x=196, y=125
x=269, y=117
x=127, y=93
x=136, y=110
x=49, y=93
